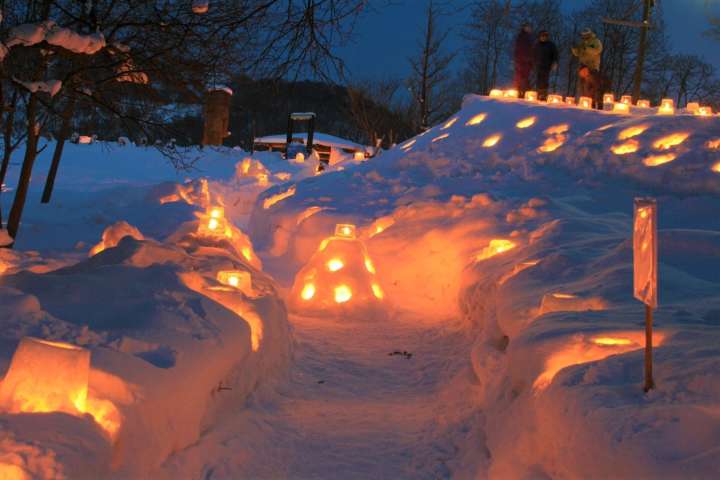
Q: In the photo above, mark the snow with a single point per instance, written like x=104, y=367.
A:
x=505, y=343
x=51, y=87
x=221, y=88
x=318, y=138
x=30, y=34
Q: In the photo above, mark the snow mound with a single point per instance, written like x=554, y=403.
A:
x=171, y=346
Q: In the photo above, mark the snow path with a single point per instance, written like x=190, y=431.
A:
x=351, y=410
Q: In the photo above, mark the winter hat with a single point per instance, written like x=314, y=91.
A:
x=586, y=33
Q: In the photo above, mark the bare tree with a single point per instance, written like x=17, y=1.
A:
x=120, y=61
x=431, y=71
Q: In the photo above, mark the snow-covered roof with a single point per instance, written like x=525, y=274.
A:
x=318, y=138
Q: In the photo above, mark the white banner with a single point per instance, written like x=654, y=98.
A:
x=645, y=251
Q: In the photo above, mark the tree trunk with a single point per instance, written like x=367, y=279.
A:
x=641, y=51
x=26, y=171
x=57, y=154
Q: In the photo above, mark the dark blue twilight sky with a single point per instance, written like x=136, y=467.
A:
x=385, y=39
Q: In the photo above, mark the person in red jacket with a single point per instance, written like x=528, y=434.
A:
x=523, y=56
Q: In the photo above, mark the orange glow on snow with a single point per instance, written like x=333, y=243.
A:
x=608, y=98
x=564, y=295
x=46, y=376
x=531, y=96
x=492, y=140
x=517, y=269
x=495, y=247
x=496, y=92
x=554, y=99
x=620, y=107
x=342, y=294
x=581, y=349
x=557, y=129
x=235, y=278
x=345, y=230
x=553, y=143
x=449, y=123
x=585, y=102
x=217, y=212
x=307, y=213
x=380, y=225
x=633, y=131
x=667, y=107
x=716, y=168
x=713, y=144
x=655, y=160
x=526, y=122
x=441, y=137
x=643, y=103
x=335, y=264
x=477, y=119
x=408, y=144
x=630, y=146
x=283, y=176
x=611, y=341
x=272, y=200
x=308, y=291
x=669, y=141
x=262, y=179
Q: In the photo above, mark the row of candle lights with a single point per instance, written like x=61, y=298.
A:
x=667, y=106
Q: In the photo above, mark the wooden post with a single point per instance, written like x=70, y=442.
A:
x=217, y=116
x=645, y=273
x=649, y=382
x=640, y=63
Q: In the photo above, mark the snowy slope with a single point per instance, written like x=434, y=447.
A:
x=505, y=344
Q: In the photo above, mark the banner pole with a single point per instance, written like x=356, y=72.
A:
x=649, y=382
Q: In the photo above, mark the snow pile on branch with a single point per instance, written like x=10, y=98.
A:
x=220, y=88
x=30, y=34
x=51, y=87
x=200, y=6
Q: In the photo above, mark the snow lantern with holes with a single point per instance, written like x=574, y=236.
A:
x=340, y=275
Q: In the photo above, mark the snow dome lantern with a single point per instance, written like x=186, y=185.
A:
x=643, y=103
x=704, y=111
x=554, y=99
x=340, y=273
x=585, y=102
x=626, y=99
x=496, y=92
x=667, y=107
x=570, y=100
x=692, y=107
x=511, y=93
x=531, y=96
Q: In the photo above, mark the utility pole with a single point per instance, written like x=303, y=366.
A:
x=637, y=80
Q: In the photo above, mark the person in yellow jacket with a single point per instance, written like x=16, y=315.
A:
x=588, y=50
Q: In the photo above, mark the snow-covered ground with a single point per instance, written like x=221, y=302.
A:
x=480, y=324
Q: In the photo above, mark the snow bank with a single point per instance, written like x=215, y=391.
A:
x=170, y=345
x=517, y=217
